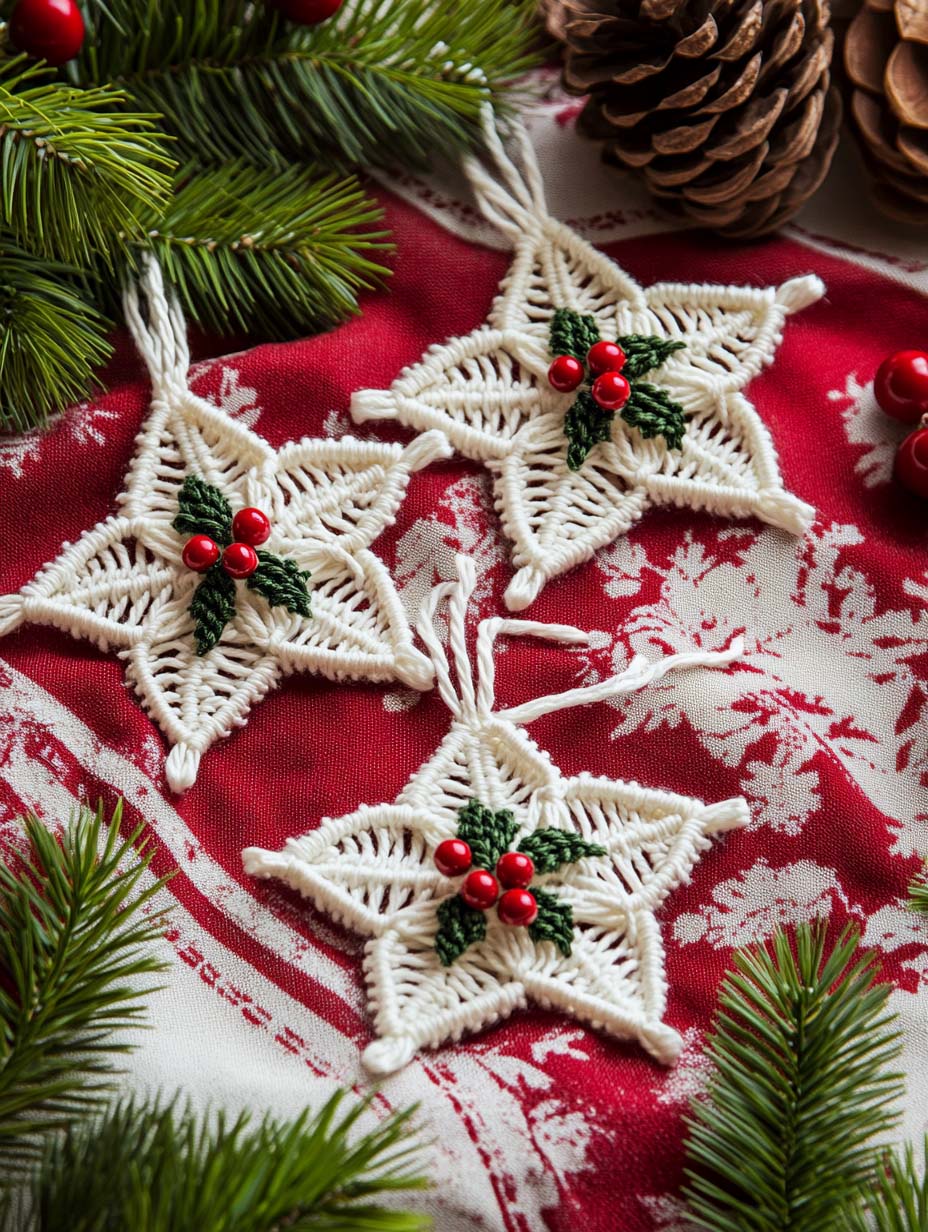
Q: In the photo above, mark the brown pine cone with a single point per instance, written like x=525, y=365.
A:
x=886, y=60
x=725, y=107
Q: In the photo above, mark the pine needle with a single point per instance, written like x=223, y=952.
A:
x=76, y=170
x=51, y=338
x=74, y=968
x=152, y=1168
x=801, y=1047
x=898, y=1199
x=918, y=893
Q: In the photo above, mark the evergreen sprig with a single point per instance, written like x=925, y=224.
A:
x=152, y=1167
x=897, y=1200
x=79, y=171
x=76, y=928
x=918, y=893
x=801, y=1046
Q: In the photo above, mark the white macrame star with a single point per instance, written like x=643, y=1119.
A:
x=374, y=869
x=124, y=584
x=489, y=392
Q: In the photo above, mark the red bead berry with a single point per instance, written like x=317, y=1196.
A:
x=50, y=30
x=515, y=870
x=518, y=908
x=605, y=357
x=251, y=526
x=307, y=12
x=200, y=553
x=565, y=374
x=480, y=889
x=453, y=857
x=240, y=560
x=901, y=385
x=611, y=391
x=912, y=462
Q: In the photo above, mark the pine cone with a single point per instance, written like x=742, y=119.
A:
x=886, y=60
x=725, y=107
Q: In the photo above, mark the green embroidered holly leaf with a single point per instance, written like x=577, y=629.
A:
x=572, y=334
x=488, y=834
x=212, y=607
x=652, y=412
x=585, y=425
x=550, y=848
x=459, y=926
x=282, y=582
x=203, y=511
x=555, y=922
x=644, y=353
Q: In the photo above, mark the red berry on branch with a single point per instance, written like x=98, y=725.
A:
x=515, y=869
x=251, y=526
x=453, y=857
x=605, y=357
x=912, y=462
x=901, y=385
x=565, y=374
x=240, y=560
x=480, y=889
x=307, y=12
x=611, y=391
x=518, y=908
x=200, y=553
x=51, y=30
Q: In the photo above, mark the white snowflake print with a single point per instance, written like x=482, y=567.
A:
x=238, y=401
x=865, y=424
x=84, y=424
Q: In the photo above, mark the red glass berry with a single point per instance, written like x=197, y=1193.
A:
x=251, y=526
x=240, y=560
x=901, y=385
x=518, y=908
x=480, y=889
x=453, y=857
x=611, y=391
x=565, y=374
x=307, y=12
x=605, y=357
x=200, y=553
x=515, y=869
x=51, y=30
x=912, y=462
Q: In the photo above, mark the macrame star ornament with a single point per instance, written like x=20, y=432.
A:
x=229, y=563
x=494, y=881
x=577, y=450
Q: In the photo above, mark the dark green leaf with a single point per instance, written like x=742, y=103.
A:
x=488, y=834
x=282, y=583
x=204, y=510
x=585, y=425
x=550, y=848
x=644, y=353
x=652, y=412
x=212, y=607
x=555, y=921
x=572, y=334
x=459, y=926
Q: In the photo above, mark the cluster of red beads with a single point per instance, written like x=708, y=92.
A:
x=610, y=389
x=49, y=30
x=901, y=390
x=516, y=906
x=250, y=527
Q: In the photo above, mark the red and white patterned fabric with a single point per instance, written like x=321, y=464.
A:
x=539, y=1122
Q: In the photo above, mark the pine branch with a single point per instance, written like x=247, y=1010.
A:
x=378, y=84
x=801, y=1045
x=918, y=893
x=284, y=254
x=898, y=1199
x=51, y=338
x=74, y=967
x=153, y=1168
x=76, y=172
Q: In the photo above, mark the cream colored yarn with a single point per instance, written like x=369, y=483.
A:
x=374, y=869
x=489, y=391
x=123, y=584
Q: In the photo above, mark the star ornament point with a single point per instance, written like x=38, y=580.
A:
x=603, y=854
x=202, y=647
